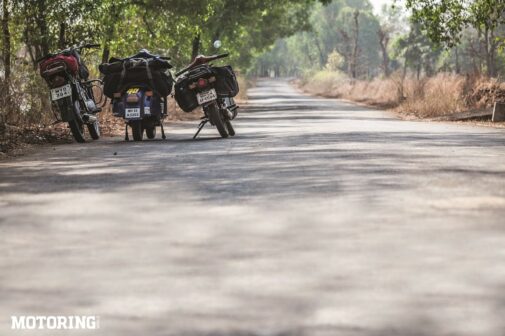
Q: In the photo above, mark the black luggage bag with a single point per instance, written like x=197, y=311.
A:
x=226, y=85
x=226, y=82
x=130, y=72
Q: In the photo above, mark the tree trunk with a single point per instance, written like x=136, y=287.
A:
x=320, y=51
x=42, y=25
x=61, y=36
x=384, y=41
x=307, y=53
x=458, y=66
x=6, y=51
x=480, y=50
x=116, y=13
x=106, y=53
x=195, y=46
x=6, y=43
x=355, y=49
x=491, y=53
x=346, y=52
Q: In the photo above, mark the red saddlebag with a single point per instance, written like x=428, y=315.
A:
x=70, y=61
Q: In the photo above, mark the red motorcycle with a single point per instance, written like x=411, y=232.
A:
x=72, y=91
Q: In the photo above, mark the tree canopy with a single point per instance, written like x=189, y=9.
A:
x=165, y=26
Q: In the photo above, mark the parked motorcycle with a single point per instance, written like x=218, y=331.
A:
x=213, y=88
x=71, y=90
x=138, y=87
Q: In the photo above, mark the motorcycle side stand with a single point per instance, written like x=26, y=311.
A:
x=202, y=123
x=126, y=138
x=162, y=131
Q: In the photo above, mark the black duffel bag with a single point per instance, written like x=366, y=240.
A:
x=186, y=98
x=122, y=74
x=117, y=65
x=226, y=82
x=226, y=85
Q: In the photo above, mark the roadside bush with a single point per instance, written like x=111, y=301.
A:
x=338, y=85
x=428, y=97
x=434, y=96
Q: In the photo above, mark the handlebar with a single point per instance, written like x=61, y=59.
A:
x=79, y=48
x=222, y=55
x=203, y=60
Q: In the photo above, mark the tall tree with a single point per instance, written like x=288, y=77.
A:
x=445, y=20
x=6, y=52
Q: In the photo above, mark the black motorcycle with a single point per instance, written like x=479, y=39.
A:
x=213, y=88
x=138, y=87
x=72, y=91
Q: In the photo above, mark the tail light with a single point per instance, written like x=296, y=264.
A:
x=202, y=83
x=132, y=98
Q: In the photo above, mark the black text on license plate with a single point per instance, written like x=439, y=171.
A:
x=61, y=92
x=206, y=96
x=132, y=113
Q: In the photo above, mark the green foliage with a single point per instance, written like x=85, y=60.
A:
x=332, y=30
x=335, y=61
x=444, y=22
x=172, y=28
x=164, y=26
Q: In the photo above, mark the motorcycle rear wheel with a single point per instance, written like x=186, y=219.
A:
x=229, y=127
x=151, y=132
x=76, y=127
x=137, y=130
x=94, y=130
x=217, y=119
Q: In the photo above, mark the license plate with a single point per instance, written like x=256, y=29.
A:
x=61, y=92
x=206, y=96
x=132, y=113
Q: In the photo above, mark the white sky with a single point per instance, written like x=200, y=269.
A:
x=377, y=4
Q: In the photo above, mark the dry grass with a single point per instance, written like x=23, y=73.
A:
x=431, y=97
x=336, y=85
x=243, y=83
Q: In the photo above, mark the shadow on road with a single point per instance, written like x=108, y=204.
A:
x=319, y=218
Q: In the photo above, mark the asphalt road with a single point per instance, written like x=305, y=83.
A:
x=319, y=218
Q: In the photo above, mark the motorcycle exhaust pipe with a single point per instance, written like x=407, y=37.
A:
x=229, y=114
x=88, y=119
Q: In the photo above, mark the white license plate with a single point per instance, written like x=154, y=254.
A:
x=61, y=92
x=132, y=113
x=206, y=96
